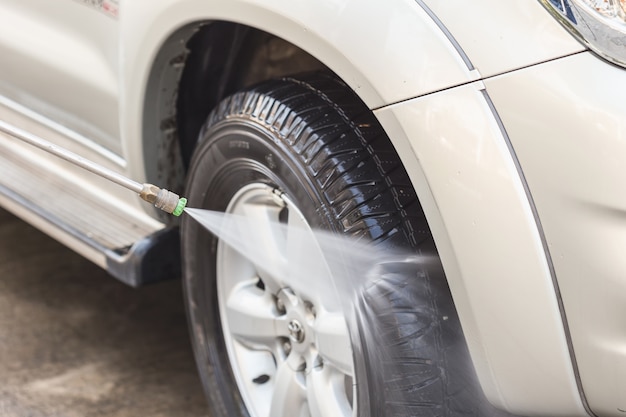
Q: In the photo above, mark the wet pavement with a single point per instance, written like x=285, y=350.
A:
x=75, y=342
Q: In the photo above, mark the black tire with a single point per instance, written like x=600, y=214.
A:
x=331, y=156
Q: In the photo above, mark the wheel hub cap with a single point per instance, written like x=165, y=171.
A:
x=296, y=331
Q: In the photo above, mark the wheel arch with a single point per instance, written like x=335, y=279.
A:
x=156, y=48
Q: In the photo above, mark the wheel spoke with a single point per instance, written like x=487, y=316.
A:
x=326, y=394
x=307, y=271
x=333, y=341
x=289, y=396
x=266, y=242
x=251, y=317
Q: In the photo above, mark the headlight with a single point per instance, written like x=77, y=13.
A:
x=599, y=24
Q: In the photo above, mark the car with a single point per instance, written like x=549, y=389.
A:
x=477, y=147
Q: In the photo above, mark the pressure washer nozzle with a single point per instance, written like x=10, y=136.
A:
x=163, y=199
x=180, y=207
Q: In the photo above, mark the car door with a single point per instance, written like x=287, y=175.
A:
x=58, y=65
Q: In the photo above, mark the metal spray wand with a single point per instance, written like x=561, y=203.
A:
x=163, y=199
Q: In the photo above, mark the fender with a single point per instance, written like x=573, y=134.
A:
x=491, y=248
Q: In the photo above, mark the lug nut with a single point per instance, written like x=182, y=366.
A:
x=280, y=306
x=287, y=347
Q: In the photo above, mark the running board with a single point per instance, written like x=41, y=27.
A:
x=71, y=207
x=154, y=258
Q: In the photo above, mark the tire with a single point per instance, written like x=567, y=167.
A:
x=313, y=143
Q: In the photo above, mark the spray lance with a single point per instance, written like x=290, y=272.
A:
x=162, y=199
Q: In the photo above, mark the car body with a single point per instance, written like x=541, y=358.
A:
x=511, y=131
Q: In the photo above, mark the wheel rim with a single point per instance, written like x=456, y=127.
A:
x=288, y=344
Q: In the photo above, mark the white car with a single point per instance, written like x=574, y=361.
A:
x=488, y=135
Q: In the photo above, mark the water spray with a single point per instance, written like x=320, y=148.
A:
x=162, y=199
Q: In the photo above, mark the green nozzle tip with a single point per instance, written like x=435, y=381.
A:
x=182, y=202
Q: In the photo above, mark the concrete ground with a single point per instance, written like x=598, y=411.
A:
x=75, y=342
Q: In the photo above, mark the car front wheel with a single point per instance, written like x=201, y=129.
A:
x=307, y=154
